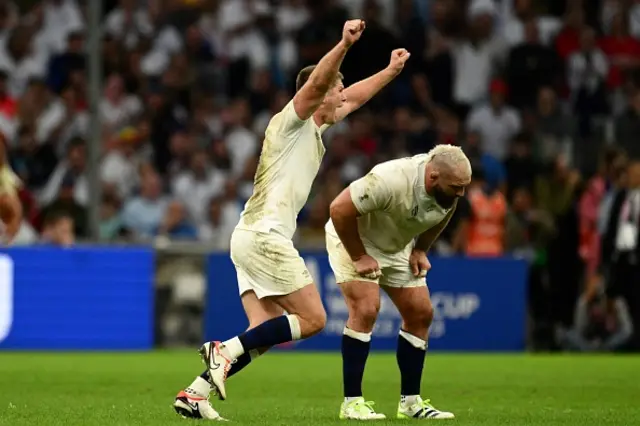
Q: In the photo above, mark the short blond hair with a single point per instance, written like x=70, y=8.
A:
x=450, y=158
x=305, y=73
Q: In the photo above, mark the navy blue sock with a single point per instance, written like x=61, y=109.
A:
x=242, y=361
x=354, y=357
x=411, y=362
x=268, y=334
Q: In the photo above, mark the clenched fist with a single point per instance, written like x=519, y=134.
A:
x=419, y=263
x=352, y=31
x=367, y=267
x=398, y=58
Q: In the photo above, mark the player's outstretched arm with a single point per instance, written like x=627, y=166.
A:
x=310, y=96
x=361, y=92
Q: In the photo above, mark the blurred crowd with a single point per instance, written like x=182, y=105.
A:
x=544, y=96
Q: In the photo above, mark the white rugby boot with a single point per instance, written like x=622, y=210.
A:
x=218, y=362
x=421, y=409
x=191, y=405
x=359, y=409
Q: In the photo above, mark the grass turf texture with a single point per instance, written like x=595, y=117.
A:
x=305, y=389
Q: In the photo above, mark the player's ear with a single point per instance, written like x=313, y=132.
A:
x=434, y=175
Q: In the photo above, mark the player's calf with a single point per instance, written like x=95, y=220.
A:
x=305, y=305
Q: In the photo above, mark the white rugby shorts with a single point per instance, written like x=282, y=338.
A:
x=396, y=271
x=267, y=263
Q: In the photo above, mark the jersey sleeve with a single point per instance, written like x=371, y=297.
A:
x=370, y=193
x=290, y=122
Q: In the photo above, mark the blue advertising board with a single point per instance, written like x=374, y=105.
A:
x=76, y=299
x=479, y=305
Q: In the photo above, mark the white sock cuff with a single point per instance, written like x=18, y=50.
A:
x=200, y=386
x=416, y=342
x=294, y=325
x=234, y=347
x=363, y=337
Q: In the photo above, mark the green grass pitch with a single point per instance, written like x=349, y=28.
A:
x=305, y=389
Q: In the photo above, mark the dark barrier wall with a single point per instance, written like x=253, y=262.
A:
x=76, y=299
x=480, y=305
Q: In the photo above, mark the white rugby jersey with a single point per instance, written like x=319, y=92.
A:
x=394, y=204
x=291, y=155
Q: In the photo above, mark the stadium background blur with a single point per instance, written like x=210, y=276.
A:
x=543, y=95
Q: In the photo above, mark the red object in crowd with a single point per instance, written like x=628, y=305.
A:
x=8, y=106
x=588, y=209
x=30, y=208
x=367, y=145
x=619, y=49
x=567, y=42
x=499, y=86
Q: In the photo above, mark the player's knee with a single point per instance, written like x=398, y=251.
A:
x=424, y=315
x=314, y=322
x=365, y=314
x=419, y=317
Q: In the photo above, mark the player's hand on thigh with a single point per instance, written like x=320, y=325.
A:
x=367, y=267
x=419, y=263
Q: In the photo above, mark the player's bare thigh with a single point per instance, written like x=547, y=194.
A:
x=306, y=304
x=363, y=302
x=414, y=305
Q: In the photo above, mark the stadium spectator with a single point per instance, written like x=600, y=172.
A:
x=143, y=214
x=129, y=24
x=530, y=66
x=495, y=122
x=620, y=245
x=111, y=227
x=118, y=109
x=525, y=21
x=18, y=60
x=58, y=229
x=557, y=194
x=554, y=130
x=121, y=163
x=587, y=70
x=32, y=162
x=568, y=40
x=199, y=183
x=63, y=64
x=493, y=169
x=222, y=216
x=61, y=17
x=486, y=231
x=627, y=127
x=65, y=202
x=175, y=224
x=73, y=165
x=602, y=323
x=477, y=59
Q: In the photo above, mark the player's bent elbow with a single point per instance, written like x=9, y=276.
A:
x=334, y=209
x=342, y=206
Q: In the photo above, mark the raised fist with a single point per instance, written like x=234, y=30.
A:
x=352, y=31
x=398, y=59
